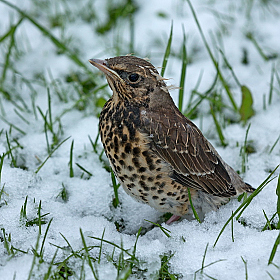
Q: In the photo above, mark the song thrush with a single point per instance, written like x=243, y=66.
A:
x=154, y=150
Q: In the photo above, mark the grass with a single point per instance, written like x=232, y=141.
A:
x=183, y=72
x=243, y=151
x=238, y=212
x=167, y=52
x=83, y=92
x=50, y=154
x=115, y=185
x=201, y=271
x=277, y=241
x=216, y=65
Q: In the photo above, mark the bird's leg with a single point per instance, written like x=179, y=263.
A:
x=173, y=219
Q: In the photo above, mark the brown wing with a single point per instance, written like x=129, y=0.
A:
x=180, y=143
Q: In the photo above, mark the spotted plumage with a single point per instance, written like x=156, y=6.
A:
x=155, y=151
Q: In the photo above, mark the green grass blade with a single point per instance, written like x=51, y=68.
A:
x=50, y=110
x=21, y=116
x=94, y=144
x=246, y=268
x=167, y=51
x=230, y=68
x=44, y=238
x=44, y=117
x=193, y=209
x=38, y=169
x=100, y=249
x=232, y=231
x=13, y=162
x=10, y=31
x=183, y=72
x=35, y=255
x=163, y=271
x=163, y=229
x=275, y=143
x=271, y=277
x=71, y=170
x=88, y=256
x=82, y=168
x=116, y=187
x=6, y=242
x=268, y=222
x=218, y=127
x=115, y=245
x=203, y=259
x=274, y=249
x=243, y=152
x=278, y=201
x=1, y=166
x=134, y=249
x=69, y=245
x=201, y=97
x=48, y=273
x=271, y=85
x=266, y=57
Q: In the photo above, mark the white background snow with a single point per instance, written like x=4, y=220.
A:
x=90, y=201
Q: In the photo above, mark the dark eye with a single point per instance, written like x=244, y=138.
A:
x=134, y=77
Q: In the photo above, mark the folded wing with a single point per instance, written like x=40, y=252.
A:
x=195, y=164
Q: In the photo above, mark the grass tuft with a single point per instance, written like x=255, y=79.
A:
x=64, y=194
x=164, y=269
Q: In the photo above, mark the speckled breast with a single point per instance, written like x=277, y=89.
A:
x=142, y=174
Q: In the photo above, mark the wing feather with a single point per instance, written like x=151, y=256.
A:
x=195, y=164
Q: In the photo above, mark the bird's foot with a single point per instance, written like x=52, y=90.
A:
x=173, y=219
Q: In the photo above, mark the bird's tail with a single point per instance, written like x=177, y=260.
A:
x=248, y=188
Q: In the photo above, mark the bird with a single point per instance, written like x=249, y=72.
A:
x=158, y=155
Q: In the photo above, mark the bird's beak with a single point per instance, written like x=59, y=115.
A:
x=102, y=66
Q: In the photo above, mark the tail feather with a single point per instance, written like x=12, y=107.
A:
x=248, y=188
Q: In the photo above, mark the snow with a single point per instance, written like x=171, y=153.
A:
x=89, y=205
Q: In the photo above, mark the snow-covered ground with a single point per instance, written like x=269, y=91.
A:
x=88, y=203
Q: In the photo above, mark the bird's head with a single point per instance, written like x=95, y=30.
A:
x=132, y=78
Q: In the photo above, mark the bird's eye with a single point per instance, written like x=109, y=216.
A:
x=134, y=77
